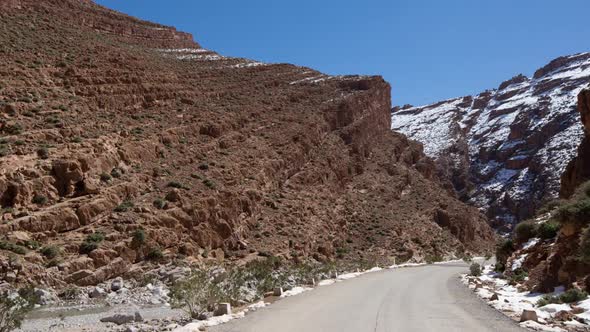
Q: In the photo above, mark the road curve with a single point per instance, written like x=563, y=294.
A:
x=426, y=298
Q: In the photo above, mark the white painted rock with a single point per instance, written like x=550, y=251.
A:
x=222, y=309
x=529, y=315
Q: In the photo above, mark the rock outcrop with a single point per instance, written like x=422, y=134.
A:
x=124, y=143
x=578, y=170
x=504, y=150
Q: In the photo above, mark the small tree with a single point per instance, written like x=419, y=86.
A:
x=195, y=294
x=12, y=311
x=475, y=270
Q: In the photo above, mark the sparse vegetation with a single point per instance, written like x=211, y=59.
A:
x=576, y=212
x=519, y=275
x=104, y=177
x=91, y=243
x=43, y=153
x=155, y=254
x=525, y=231
x=209, y=184
x=138, y=238
x=548, y=230
x=159, y=203
x=39, y=199
x=51, y=251
x=195, y=294
x=125, y=206
x=570, y=296
x=175, y=184
x=12, y=311
x=5, y=245
x=584, y=248
x=504, y=249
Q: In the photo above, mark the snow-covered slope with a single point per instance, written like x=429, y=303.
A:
x=505, y=149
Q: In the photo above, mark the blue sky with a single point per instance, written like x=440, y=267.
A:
x=427, y=49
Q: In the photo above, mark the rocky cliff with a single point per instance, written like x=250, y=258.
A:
x=560, y=257
x=124, y=144
x=505, y=149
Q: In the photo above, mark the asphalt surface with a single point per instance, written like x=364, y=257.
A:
x=426, y=298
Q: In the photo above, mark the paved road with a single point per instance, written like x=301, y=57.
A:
x=428, y=298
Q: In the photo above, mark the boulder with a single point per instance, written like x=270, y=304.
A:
x=121, y=319
x=529, y=315
x=97, y=292
x=117, y=284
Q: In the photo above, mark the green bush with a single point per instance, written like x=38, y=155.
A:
x=95, y=237
x=584, y=248
x=51, y=251
x=43, y=153
x=125, y=206
x=475, y=270
x=39, y=199
x=12, y=311
x=570, y=296
x=138, y=238
x=573, y=295
x=525, y=231
x=175, y=184
x=195, y=294
x=577, y=212
x=104, y=177
x=88, y=247
x=91, y=243
x=210, y=184
x=519, y=275
x=504, y=249
x=155, y=254
x=548, y=230
x=159, y=203
x=116, y=173
x=5, y=245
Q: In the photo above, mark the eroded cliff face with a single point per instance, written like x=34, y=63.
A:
x=559, y=260
x=114, y=125
x=578, y=169
x=504, y=150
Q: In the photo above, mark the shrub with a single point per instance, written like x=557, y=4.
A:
x=577, y=212
x=210, y=184
x=155, y=254
x=39, y=200
x=12, y=311
x=50, y=251
x=433, y=258
x=5, y=245
x=159, y=203
x=570, y=296
x=525, y=231
x=125, y=206
x=91, y=243
x=175, y=184
x=475, y=270
x=548, y=230
x=195, y=294
x=203, y=167
x=504, y=249
x=32, y=244
x=95, y=237
x=584, y=248
x=43, y=153
x=88, y=247
x=573, y=295
x=138, y=238
x=116, y=173
x=519, y=275
x=104, y=177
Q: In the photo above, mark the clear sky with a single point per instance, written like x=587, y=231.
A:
x=427, y=49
